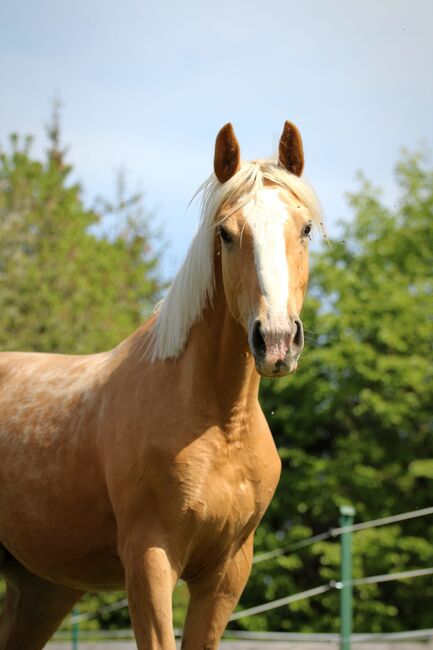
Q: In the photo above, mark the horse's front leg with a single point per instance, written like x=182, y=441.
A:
x=213, y=598
x=150, y=580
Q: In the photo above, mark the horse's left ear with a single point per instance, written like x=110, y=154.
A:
x=227, y=160
x=291, y=151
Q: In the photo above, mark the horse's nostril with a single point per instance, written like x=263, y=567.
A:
x=258, y=341
x=298, y=338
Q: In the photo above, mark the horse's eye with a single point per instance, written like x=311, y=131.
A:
x=306, y=230
x=225, y=236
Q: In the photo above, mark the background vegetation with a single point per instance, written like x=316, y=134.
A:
x=354, y=426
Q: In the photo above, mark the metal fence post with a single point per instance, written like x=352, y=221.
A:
x=347, y=514
x=75, y=630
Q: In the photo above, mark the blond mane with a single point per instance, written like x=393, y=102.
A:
x=193, y=285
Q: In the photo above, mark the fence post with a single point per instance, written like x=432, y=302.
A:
x=75, y=629
x=347, y=514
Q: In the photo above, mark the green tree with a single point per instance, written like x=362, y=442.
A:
x=356, y=423
x=63, y=288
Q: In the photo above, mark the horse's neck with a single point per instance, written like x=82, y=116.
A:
x=215, y=370
x=217, y=359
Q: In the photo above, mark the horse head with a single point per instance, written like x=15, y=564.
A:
x=262, y=231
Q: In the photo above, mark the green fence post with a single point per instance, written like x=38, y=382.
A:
x=75, y=630
x=347, y=514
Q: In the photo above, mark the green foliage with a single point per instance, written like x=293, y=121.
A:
x=62, y=287
x=356, y=425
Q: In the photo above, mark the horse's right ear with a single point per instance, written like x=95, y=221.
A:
x=227, y=160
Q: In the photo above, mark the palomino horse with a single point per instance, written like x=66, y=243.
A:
x=154, y=461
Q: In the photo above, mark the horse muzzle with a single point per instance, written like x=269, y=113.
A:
x=276, y=349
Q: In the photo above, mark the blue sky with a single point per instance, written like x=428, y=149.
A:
x=147, y=86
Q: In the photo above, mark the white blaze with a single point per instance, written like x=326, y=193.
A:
x=267, y=218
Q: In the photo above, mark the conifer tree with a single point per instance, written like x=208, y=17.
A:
x=63, y=286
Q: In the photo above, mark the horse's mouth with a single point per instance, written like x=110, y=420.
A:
x=281, y=368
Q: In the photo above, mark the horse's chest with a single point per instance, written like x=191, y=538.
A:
x=223, y=490
x=223, y=500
